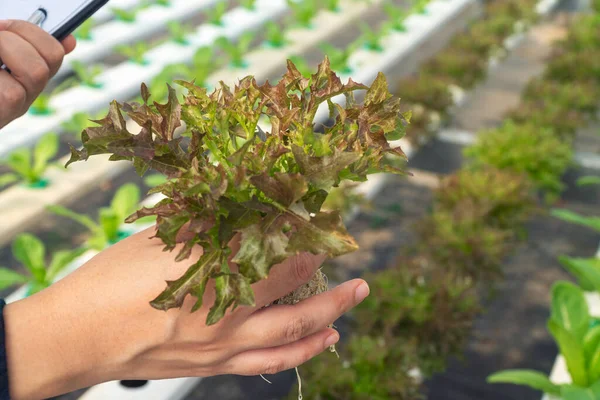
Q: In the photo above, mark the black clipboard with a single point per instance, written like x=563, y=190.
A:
x=79, y=18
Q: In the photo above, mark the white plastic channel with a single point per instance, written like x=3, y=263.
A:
x=149, y=21
x=123, y=81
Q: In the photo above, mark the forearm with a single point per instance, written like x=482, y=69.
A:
x=52, y=347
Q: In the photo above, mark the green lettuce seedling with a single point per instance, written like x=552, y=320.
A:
x=579, y=344
x=87, y=74
x=84, y=32
x=29, y=166
x=31, y=253
x=248, y=4
x=237, y=50
x=236, y=179
x=215, y=14
x=107, y=230
x=340, y=57
x=371, y=38
x=135, y=53
x=396, y=16
x=332, y=5
x=124, y=15
x=41, y=105
x=275, y=35
x=179, y=32
x=303, y=12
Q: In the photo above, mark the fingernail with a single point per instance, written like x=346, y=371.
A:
x=362, y=292
x=332, y=339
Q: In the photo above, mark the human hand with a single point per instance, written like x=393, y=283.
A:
x=33, y=56
x=97, y=325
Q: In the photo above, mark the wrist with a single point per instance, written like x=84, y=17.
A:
x=52, y=346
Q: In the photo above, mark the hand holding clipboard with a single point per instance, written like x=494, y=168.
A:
x=57, y=17
x=62, y=17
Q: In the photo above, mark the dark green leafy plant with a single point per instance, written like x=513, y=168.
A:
x=525, y=149
x=234, y=178
x=107, y=230
x=426, y=90
x=459, y=68
x=29, y=166
x=31, y=253
x=569, y=324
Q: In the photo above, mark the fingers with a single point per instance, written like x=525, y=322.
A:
x=26, y=65
x=281, y=325
x=286, y=277
x=69, y=44
x=276, y=359
x=50, y=49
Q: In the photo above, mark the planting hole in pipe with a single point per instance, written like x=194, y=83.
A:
x=134, y=384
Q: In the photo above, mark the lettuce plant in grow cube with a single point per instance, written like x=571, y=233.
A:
x=31, y=253
x=229, y=177
x=107, y=230
x=28, y=166
x=578, y=342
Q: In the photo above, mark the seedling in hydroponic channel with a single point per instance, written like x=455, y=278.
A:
x=29, y=166
x=41, y=105
x=229, y=181
x=340, y=57
x=571, y=326
x=420, y=6
x=87, y=74
x=79, y=122
x=135, y=53
x=84, y=32
x=124, y=15
x=178, y=32
x=396, y=16
x=371, y=39
x=332, y=5
x=107, y=230
x=274, y=35
x=216, y=13
x=304, y=11
x=248, y=4
x=237, y=50
x=302, y=66
x=31, y=253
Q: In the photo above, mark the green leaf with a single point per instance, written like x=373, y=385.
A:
x=20, y=162
x=125, y=201
x=110, y=223
x=572, y=217
x=9, y=278
x=44, y=150
x=594, y=367
x=573, y=352
x=154, y=180
x=193, y=281
x=588, y=181
x=30, y=252
x=570, y=309
x=591, y=342
x=79, y=218
x=571, y=392
x=533, y=379
x=586, y=270
x=7, y=179
x=231, y=290
x=60, y=260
